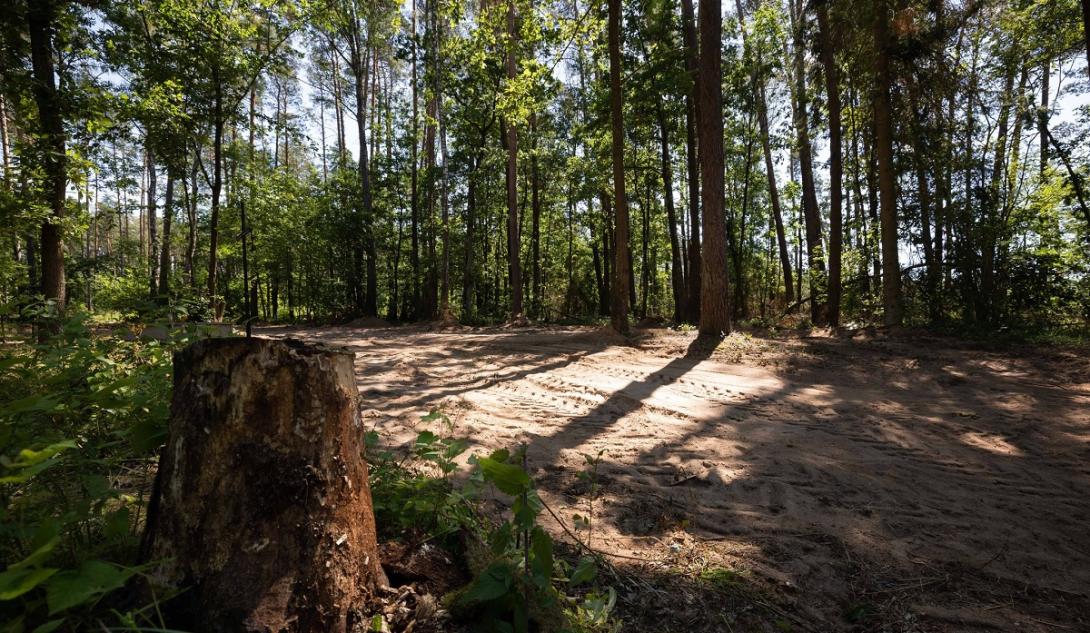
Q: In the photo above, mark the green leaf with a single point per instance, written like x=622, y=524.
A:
x=494, y=582
x=455, y=448
x=16, y=582
x=425, y=440
x=45, y=539
x=94, y=578
x=541, y=560
x=508, y=478
x=526, y=511
x=48, y=627
x=584, y=572
x=33, y=462
x=117, y=523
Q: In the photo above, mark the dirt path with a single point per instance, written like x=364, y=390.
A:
x=868, y=483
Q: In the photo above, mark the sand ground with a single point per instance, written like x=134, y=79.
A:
x=846, y=482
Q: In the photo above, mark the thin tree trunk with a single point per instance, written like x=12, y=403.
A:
x=168, y=219
x=811, y=214
x=360, y=67
x=535, y=226
x=415, y=177
x=692, y=109
x=1086, y=29
x=836, y=164
x=217, y=183
x=191, y=217
x=153, y=238
x=677, y=280
x=883, y=123
x=621, y=266
x=514, y=242
x=1042, y=115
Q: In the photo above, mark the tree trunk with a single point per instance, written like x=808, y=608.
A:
x=621, y=267
x=770, y=173
x=836, y=166
x=415, y=178
x=469, y=273
x=153, y=238
x=883, y=124
x=811, y=214
x=1042, y=114
x=1086, y=29
x=261, y=508
x=168, y=219
x=714, y=311
x=360, y=70
x=40, y=20
x=692, y=108
x=535, y=228
x=677, y=280
x=605, y=294
x=514, y=242
x=191, y=217
x=217, y=184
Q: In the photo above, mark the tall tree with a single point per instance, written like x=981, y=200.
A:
x=770, y=169
x=714, y=310
x=815, y=249
x=692, y=110
x=621, y=262
x=514, y=240
x=42, y=17
x=887, y=179
x=836, y=165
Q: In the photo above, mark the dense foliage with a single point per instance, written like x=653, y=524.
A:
x=177, y=119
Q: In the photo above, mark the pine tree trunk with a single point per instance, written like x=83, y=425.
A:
x=40, y=20
x=261, y=507
x=677, y=279
x=883, y=125
x=811, y=214
x=168, y=219
x=836, y=165
x=514, y=241
x=622, y=264
x=153, y=237
x=217, y=184
x=770, y=173
x=535, y=228
x=692, y=109
x=415, y=178
x=714, y=311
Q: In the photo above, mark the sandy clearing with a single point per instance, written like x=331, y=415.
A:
x=906, y=483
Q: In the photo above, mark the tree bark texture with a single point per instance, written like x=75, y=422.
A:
x=262, y=506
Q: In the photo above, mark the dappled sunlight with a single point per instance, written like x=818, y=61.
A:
x=991, y=443
x=800, y=466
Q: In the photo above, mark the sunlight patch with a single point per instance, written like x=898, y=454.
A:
x=991, y=443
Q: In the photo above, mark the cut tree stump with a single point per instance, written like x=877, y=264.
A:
x=261, y=510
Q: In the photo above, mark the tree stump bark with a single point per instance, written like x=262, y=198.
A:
x=261, y=507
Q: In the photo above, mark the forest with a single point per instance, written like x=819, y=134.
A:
x=662, y=315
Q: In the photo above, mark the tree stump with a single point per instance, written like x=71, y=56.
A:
x=261, y=507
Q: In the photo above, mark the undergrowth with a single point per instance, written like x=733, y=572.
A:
x=82, y=416
x=519, y=582
x=81, y=419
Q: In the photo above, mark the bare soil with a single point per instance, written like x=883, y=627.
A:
x=851, y=482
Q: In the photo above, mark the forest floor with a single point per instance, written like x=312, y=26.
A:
x=796, y=482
